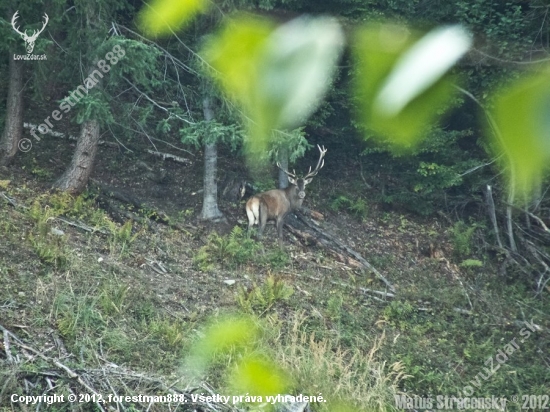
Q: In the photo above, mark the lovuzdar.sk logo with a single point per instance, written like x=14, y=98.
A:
x=30, y=39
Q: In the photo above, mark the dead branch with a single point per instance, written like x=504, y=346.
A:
x=72, y=374
x=11, y=201
x=309, y=239
x=538, y=219
x=66, y=136
x=104, y=378
x=165, y=156
x=7, y=346
x=312, y=213
x=81, y=225
x=492, y=212
x=378, y=292
x=509, y=220
x=343, y=248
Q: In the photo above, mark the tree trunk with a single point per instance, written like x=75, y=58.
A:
x=13, y=129
x=283, y=161
x=210, y=209
x=76, y=177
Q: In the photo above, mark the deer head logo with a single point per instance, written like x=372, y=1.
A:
x=29, y=40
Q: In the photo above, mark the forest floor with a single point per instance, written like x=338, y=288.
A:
x=121, y=305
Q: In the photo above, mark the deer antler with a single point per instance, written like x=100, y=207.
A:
x=13, y=19
x=320, y=163
x=292, y=175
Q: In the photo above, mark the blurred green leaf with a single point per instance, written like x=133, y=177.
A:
x=221, y=336
x=421, y=67
x=163, y=17
x=229, y=332
x=234, y=54
x=299, y=61
x=258, y=376
x=402, y=81
x=277, y=75
x=522, y=117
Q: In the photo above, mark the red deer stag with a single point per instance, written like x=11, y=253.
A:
x=277, y=203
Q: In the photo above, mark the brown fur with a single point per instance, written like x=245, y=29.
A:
x=275, y=205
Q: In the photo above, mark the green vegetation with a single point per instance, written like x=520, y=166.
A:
x=260, y=299
x=435, y=174
x=228, y=251
x=462, y=237
x=324, y=335
x=357, y=207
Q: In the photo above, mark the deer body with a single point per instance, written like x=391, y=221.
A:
x=276, y=204
x=273, y=205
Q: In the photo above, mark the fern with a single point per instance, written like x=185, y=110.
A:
x=229, y=251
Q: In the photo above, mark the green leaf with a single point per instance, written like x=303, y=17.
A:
x=298, y=63
x=402, y=81
x=164, y=17
x=277, y=75
x=259, y=377
x=221, y=336
x=521, y=114
x=420, y=67
x=233, y=55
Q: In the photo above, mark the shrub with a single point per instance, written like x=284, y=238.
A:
x=261, y=298
x=228, y=251
x=461, y=235
x=357, y=207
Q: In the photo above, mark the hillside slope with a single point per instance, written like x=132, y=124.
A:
x=121, y=302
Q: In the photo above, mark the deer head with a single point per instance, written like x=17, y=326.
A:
x=301, y=183
x=276, y=204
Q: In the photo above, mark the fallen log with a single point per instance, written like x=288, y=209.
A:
x=300, y=223
x=309, y=239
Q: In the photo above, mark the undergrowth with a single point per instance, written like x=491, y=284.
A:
x=235, y=250
x=260, y=299
x=434, y=337
x=358, y=207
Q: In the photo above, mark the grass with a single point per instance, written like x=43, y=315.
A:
x=106, y=298
x=356, y=376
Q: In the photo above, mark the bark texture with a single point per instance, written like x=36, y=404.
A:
x=75, y=178
x=210, y=210
x=13, y=129
x=283, y=161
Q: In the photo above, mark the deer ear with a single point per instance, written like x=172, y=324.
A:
x=307, y=181
x=291, y=180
